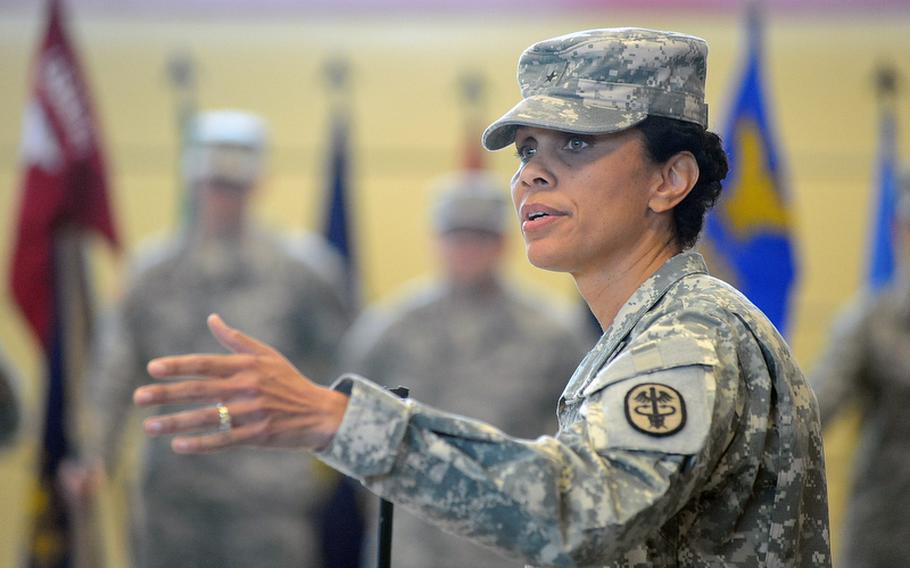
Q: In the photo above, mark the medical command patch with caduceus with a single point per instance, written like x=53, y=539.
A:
x=657, y=395
x=655, y=409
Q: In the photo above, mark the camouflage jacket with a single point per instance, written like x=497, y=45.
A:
x=867, y=363
x=688, y=437
x=490, y=352
x=194, y=510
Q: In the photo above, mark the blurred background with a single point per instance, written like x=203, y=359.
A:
x=409, y=118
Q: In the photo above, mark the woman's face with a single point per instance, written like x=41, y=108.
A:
x=583, y=200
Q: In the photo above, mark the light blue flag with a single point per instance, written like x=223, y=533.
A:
x=750, y=228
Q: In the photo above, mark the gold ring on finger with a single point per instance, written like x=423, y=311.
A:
x=224, y=417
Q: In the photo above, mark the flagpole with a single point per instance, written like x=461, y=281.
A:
x=473, y=90
x=74, y=306
x=337, y=213
x=181, y=72
x=343, y=520
x=886, y=85
x=387, y=511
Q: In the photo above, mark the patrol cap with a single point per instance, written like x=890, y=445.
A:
x=226, y=145
x=470, y=201
x=606, y=80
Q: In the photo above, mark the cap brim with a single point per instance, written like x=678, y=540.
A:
x=556, y=113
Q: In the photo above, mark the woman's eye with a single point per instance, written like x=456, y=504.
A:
x=525, y=153
x=576, y=144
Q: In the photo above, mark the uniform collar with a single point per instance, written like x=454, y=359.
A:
x=491, y=288
x=638, y=304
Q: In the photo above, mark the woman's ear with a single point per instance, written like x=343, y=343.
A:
x=678, y=176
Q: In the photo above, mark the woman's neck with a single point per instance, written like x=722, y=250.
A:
x=607, y=288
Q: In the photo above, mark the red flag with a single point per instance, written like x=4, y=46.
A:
x=64, y=197
x=65, y=183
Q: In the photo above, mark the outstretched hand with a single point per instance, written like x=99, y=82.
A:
x=269, y=402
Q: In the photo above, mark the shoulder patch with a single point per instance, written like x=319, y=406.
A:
x=668, y=411
x=655, y=409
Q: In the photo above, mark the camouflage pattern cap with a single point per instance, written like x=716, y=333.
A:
x=471, y=201
x=606, y=80
x=225, y=145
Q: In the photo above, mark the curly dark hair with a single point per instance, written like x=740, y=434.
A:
x=665, y=137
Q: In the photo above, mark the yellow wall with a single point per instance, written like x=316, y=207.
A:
x=407, y=130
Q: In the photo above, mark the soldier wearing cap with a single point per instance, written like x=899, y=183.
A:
x=867, y=363
x=247, y=508
x=687, y=435
x=470, y=343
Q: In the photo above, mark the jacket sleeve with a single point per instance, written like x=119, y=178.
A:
x=116, y=370
x=586, y=495
x=838, y=373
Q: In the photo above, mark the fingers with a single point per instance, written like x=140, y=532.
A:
x=185, y=391
x=187, y=422
x=215, y=441
x=245, y=428
x=236, y=340
x=197, y=365
x=197, y=419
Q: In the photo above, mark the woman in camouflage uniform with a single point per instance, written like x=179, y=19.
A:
x=687, y=436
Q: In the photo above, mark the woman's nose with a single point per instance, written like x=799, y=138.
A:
x=535, y=174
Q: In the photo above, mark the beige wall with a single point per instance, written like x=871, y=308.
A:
x=407, y=130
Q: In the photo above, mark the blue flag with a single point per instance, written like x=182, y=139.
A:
x=342, y=521
x=881, y=244
x=337, y=222
x=750, y=226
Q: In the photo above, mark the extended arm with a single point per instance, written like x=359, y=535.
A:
x=583, y=496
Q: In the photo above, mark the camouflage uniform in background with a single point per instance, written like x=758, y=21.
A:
x=238, y=509
x=9, y=403
x=490, y=353
x=687, y=437
x=867, y=361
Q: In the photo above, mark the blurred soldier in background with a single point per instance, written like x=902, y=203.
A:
x=469, y=344
x=867, y=362
x=9, y=403
x=243, y=508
